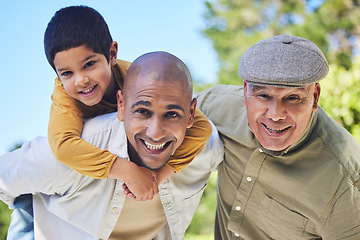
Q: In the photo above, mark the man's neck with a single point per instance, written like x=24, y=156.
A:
x=134, y=157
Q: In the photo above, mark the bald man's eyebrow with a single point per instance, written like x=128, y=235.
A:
x=174, y=106
x=141, y=102
x=148, y=104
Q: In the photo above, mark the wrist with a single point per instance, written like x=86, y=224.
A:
x=121, y=169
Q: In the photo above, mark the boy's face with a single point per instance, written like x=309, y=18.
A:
x=85, y=75
x=156, y=115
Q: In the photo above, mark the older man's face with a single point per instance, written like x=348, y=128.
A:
x=156, y=115
x=279, y=116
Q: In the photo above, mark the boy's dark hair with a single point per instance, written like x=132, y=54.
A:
x=77, y=26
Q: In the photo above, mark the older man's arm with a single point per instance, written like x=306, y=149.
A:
x=343, y=219
x=29, y=169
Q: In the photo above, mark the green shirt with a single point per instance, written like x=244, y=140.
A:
x=309, y=191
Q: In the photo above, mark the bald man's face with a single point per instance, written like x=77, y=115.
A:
x=156, y=115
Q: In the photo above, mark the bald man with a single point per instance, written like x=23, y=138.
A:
x=153, y=114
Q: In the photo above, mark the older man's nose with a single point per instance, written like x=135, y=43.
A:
x=276, y=111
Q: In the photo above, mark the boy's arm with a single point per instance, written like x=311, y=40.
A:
x=64, y=132
x=194, y=140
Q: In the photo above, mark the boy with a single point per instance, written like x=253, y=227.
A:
x=79, y=47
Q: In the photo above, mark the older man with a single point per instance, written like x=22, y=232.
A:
x=153, y=114
x=290, y=171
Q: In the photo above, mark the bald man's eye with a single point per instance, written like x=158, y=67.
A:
x=172, y=115
x=143, y=112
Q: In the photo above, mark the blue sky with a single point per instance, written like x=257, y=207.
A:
x=138, y=27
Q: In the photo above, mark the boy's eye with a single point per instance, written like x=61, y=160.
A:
x=89, y=64
x=65, y=74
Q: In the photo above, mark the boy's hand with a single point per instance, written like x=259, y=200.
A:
x=140, y=182
x=142, y=185
x=163, y=173
x=127, y=192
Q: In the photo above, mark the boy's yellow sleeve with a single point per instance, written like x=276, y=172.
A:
x=194, y=140
x=64, y=132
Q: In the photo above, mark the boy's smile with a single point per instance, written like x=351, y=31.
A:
x=85, y=75
x=89, y=91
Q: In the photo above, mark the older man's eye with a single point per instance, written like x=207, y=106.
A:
x=293, y=98
x=264, y=96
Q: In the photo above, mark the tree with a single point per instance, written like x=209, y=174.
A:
x=340, y=96
x=335, y=28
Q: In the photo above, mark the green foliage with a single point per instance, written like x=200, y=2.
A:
x=202, y=225
x=340, y=96
x=5, y=215
x=198, y=87
x=199, y=237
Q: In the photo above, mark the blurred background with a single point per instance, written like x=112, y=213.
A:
x=209, y=36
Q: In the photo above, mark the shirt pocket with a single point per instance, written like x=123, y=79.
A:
x=278, y=221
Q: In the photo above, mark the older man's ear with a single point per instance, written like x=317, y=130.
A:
x=317, y=91
x=120, y=105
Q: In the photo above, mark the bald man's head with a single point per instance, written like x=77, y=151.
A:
x=159, y=66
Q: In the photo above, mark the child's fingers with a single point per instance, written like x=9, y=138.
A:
x=131, y=195
x=127, y=192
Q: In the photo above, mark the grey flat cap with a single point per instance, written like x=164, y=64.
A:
x=283, y=61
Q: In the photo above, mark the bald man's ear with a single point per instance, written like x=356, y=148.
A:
x=192, y=113
x=120, y=105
